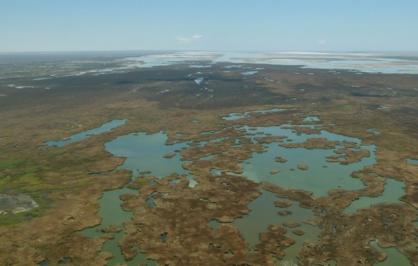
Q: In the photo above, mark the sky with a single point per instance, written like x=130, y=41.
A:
x=213, y=25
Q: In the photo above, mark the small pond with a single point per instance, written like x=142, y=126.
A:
x=86, y=134
x=412, y=161
x=394, y=256
x=394, y=190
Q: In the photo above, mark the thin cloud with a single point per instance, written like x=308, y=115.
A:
x=189, y=39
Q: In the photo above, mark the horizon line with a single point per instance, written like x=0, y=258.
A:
x=203, y=50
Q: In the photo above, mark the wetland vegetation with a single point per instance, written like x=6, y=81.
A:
x=206, y=162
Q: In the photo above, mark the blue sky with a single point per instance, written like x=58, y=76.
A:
x=242, y=25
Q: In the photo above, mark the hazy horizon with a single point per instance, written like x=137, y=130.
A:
x=51, y=26
x=376, y=52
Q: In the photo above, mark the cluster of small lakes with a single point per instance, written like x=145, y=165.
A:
x=299, y=157
x=225, y=161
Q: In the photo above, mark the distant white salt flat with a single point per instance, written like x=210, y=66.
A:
x=358, y=62
x=154, y=60
x=103, y=71
x=362, y=62
x=170, y=58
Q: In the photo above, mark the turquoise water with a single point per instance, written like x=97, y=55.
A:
x=145, y=152
x=150, y=200
x=118, y=258
x=264, y=213
x=215, y=171
x=214, y=224
x=208, y=158
x=112, y=214
x=86, y=134
x=237, y=116
x=321, y=176
x=412, y=161
x=288, y=131
x=394, y=256
x=394, y=190
x=110, y=211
